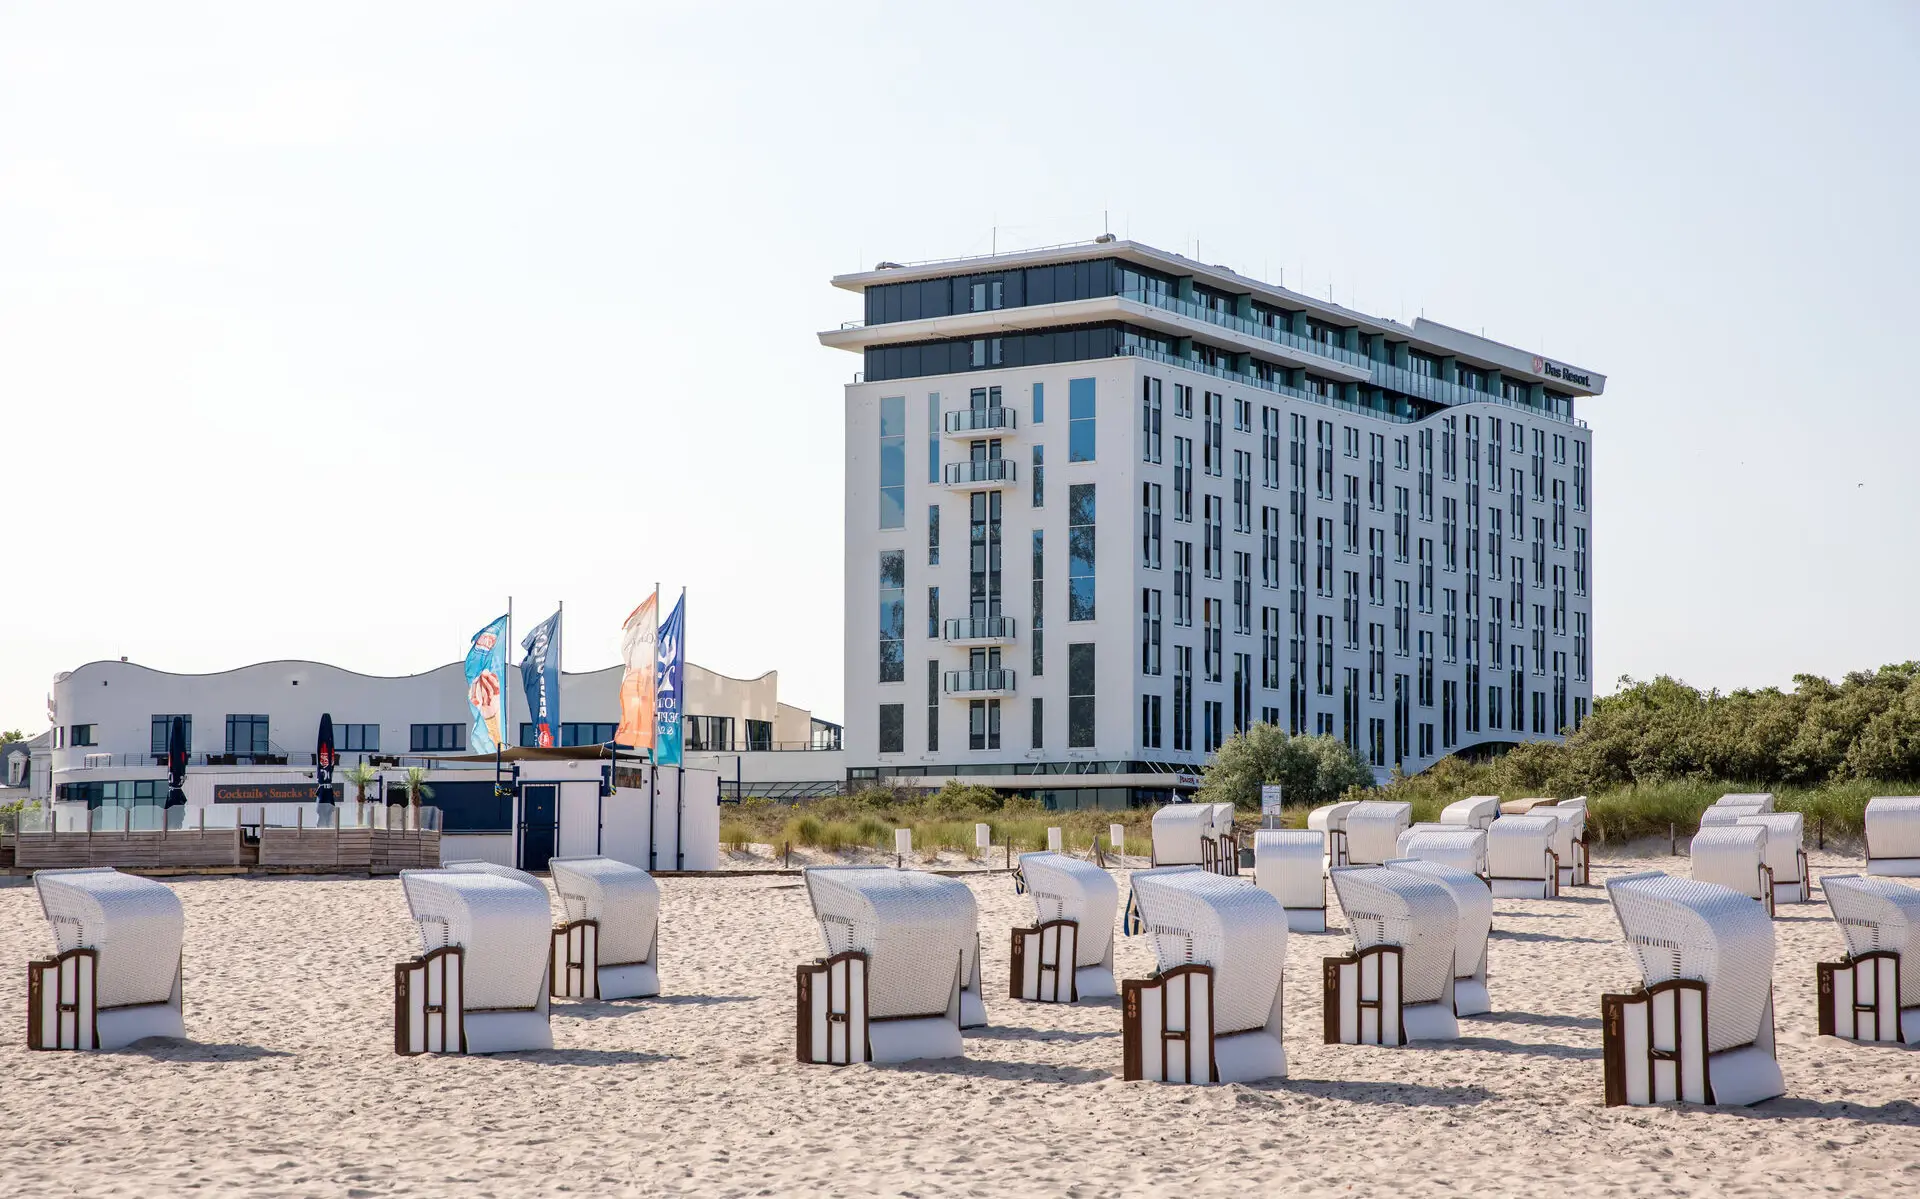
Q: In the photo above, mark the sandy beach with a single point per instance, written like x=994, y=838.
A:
x=289, y=1085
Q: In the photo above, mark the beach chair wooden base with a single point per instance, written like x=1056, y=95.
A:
x=62, y=1008
x=1654, y=1050
x=573, y=965
x=1043, y=962
x=831, y=1027
x=1362, y=998
x=1859, y=999
x=1167, y=1026
x=428, y=997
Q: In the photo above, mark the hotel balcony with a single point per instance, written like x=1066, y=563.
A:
x=990, y=473
x=979, y=422
x=979, y=630
x=979, y=684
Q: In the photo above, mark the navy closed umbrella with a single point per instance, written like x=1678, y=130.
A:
x=323, y=761
x=176, y=762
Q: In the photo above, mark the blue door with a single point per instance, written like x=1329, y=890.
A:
x=539, y=810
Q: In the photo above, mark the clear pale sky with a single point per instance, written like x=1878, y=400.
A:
x=326, y=327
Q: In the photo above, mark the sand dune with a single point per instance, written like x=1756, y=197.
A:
x=290, y=1085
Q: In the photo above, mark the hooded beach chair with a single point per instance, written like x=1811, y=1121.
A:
x=1452, y=845
x=1183, y=835
x=1288, y=865
x=1893, y=835
x=1700, y=1028
x=902, y=973
x=1761, y=800
x=480, y=982
x=1373, y=831
x=475, y=866
x=1397, y=985
x=1212, y=1011
x=607, y=948
x=1786, y=855
x=1734, y=856
x=1521, y=863
x=1524, y=807
x=1873, y=993
x=1474, y=901
x=1475, y=811
x=1330, y=821
x=1222, y=855
x=115, y=974
x=1068, y=954
x=1570, y=840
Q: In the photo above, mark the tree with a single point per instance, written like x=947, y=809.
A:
x=1313, y=769
x=361, y=776
x=415, y=785
x=12, y=735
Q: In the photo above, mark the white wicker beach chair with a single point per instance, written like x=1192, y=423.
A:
x=1785, y=856
x=1475, y=903
x=1521, y=863
x=1570, y=840
x=1723, y=817
x=1330, y=821
x=902, y=973
x=608, y=947
x=1212, y=1010
x=1893, y=835
x=1397, y=985
x=1873, y=993
x=1475, y=811
x=1288, y=864
x=115, y=975
x=1182, y=835
x=1763, y=800
x=480, y=982
x=1449, y=844
x=1373, y=831
x=1734, y=856
x=1068, y=954
x=1700, y=1029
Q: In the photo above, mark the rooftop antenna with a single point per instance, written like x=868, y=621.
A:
x=1105, y=225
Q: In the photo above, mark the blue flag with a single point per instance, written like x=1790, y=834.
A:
x=540, y=680
x=668, y=680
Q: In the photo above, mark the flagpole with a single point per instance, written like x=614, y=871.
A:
x=559, y=664
x=506, y=680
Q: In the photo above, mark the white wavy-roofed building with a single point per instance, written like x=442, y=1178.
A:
x=261, y=722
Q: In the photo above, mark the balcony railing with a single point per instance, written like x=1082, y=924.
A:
x=1249, y=328
x=989, y=470
x=980, y=420
x=1427, y=387
x=980, y=628
x=978, y=682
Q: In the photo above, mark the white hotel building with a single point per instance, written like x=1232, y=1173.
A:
x=1107, y=505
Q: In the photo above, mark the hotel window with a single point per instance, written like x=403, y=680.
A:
x=1039, y=726
x=985, y=351
x=1580, y=646
x=1270, y=649
x=1579, y=560
x=933, y=704
x=80, y=734
x=1242, y=492
x=600, y=734
x=893, y=616
x=1243, y=592
x=1080, y=696
x=1270, y=547
x=1150, y=525
x=1150, y=420
x=1270, y=447
x=1039, y=476
x=1210, y=549
x=1211, y=618
x=363, y=738
x=933, y=612
x=1242, y=691
x=1150, y=722
x=423, y=738
x=1243, y=416
x=893, y=728
x=1039, y=403
x=1183, y=478
x=1183, y=582
x=983, y=297
x=1183, y=698
x=933, y=534
x=1080, y=418
x=893, y=462
x=1213, y=733
x=161, y=730
x=1579, y=475
x=1039, y=594
x=1210, y=452
x=1080, y=526
x=1149, y=631
x=933, y=437
x=248, y=734
x=983, y=724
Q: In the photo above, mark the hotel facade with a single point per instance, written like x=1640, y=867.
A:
x=1107, y=506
